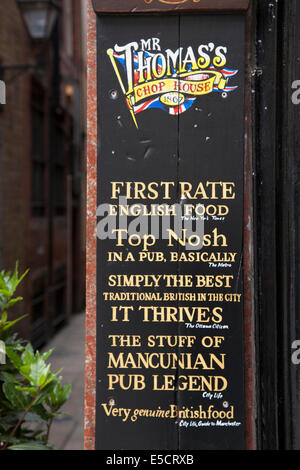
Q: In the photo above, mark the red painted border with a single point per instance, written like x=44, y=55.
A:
x=90, y=358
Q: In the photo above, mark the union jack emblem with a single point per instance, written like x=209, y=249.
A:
x=189, y=82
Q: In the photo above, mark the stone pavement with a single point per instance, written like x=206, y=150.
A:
x=67, y=432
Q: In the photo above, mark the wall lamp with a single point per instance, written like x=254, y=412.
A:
x=39, y=17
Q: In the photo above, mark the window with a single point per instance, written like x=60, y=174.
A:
x=38, y=324
x=59, y=167
x=59, y=295
x=37, y=151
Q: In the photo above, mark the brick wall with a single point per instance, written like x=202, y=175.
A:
x=39, y=243
x=14, y=143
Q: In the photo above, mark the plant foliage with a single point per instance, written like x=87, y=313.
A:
x=31, y=395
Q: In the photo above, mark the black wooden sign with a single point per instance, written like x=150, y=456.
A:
x=170, y=371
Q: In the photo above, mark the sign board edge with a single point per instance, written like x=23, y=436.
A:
x=168, y=6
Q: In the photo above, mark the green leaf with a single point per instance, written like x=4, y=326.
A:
x=31, y=390
x=59, y=395
x=51, y=378
x=25, y=371
x=8, y=377
x=15, y=280
x=2, y=281
x=41, y=411
x=67, y=389
x=39, y=372
x=14, y=357
x=10, y=324
x=5, y=292
x=47, y=354
x=12, y=302
x=4, y=317
x=8, y=286
x=29, y=446
x=27, y=355
x=16, y=343
x=26, y=380
x=42, y=397
x=14, y=396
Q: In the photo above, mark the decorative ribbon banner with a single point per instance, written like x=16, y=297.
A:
x=188, y=86
x=176, y=94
